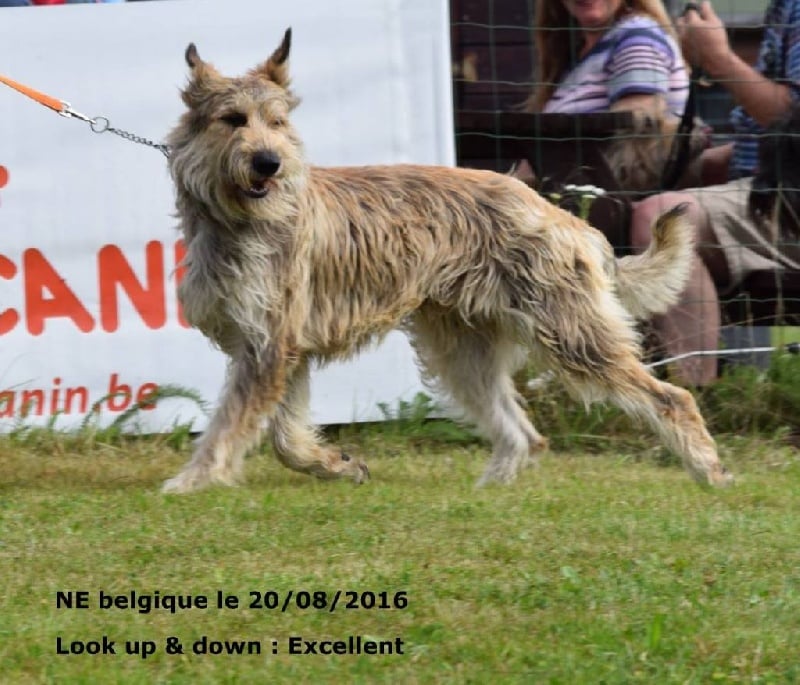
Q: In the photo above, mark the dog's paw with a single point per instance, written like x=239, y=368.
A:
x=192, y=480
x=363, y=473
x=179, y=485
x=355, y=469
x=335, y=465
x=713, y=475
x=720, y=477
x=535, y=447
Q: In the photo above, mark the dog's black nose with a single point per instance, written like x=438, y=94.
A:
x=266, y=163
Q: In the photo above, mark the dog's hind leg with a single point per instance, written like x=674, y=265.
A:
x=596, y=358
x=297, y=443
x=670, y=411
x=475, y=367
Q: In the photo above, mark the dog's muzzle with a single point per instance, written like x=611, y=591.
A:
x=265, y=165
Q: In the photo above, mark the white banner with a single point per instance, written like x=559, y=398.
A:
x=88, y=246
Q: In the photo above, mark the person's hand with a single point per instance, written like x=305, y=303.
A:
x=703, y=37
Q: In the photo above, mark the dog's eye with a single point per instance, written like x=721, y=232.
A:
x=278, y=122
x=235, y=119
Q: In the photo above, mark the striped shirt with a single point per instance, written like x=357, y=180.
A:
x=778, y=60
x=634, y=57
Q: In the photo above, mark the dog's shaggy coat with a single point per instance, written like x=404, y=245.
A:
x=289, y=264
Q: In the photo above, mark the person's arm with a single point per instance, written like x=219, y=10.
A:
x=639, y=73
x=705, y=44
x=651, y=105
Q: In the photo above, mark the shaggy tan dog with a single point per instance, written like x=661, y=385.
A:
x=289, y=265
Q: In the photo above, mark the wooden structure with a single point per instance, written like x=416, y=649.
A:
x=563, y=149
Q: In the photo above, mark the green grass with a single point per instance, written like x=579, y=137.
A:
x=610, y=567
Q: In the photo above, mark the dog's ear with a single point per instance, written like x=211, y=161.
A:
x=281, y=53
x=202, y=79
x=192, y=58
x=276, y=68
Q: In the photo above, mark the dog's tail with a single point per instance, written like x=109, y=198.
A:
x=651, y=282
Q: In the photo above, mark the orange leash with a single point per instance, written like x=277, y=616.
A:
x=53, y=103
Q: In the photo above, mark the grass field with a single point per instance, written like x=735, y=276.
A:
x=593, y=568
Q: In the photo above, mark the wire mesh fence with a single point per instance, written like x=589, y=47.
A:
x=494, y=59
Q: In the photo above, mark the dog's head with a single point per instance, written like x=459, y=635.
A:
x=775, y=195
x=234, y=149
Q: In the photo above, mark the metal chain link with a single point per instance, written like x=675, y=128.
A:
x=101, y=125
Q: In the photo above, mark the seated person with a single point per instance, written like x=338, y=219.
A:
x=608, y=55
x=730, y=242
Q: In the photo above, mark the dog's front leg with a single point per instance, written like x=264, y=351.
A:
x=253, y=387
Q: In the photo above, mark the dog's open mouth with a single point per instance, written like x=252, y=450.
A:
x=256, y=191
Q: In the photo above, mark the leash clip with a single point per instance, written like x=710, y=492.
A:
x=97, y=124
x=67, y=111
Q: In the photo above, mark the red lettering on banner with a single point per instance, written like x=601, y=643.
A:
x=73, y=400
x=147, y=391
x=9, y=318
x=180, y=269
x=70, y=395
x=32, y=402
x=63, y=303
x=119, y=394
x=3, y=176
x=54, y=395
x=48, y=296
x=114, y=270
x=7, y=404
